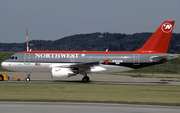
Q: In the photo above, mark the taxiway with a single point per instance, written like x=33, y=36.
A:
x=95, y=78
x=58, y=107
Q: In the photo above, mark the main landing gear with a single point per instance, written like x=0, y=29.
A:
x=28, y=76
x=85, y=79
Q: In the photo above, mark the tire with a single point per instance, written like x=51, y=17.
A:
x=28, y=79
x=85, y=79
x=1, y=78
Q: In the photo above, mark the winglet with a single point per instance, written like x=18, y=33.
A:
x=106, y=61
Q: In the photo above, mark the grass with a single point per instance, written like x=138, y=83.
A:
x=170, y=80
x=149, y=75
x=93, y=93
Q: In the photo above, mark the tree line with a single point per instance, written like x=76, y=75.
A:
x=92, y=42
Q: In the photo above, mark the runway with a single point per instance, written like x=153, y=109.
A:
x=58, y=107
x=94, y=78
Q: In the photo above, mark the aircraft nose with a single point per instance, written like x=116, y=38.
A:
x=4, y=65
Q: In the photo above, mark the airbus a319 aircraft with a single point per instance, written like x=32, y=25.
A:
x=64, y=64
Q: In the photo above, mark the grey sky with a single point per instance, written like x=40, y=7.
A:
x=54, y=19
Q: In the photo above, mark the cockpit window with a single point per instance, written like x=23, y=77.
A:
x=14, y=57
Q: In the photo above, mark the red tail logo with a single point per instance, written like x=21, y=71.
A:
x=166, y=27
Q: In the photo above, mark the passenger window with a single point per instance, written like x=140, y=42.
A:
x=16, y=58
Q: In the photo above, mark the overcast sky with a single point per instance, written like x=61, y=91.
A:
x=55, y=19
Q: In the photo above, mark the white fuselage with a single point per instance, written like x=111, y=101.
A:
x=46, y=67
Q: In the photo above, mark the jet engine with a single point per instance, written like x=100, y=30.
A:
x=60, y=73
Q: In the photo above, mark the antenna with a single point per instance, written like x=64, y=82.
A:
x=27, y=39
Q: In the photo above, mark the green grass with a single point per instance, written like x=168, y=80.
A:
x=170, y=80
x=95, y=93
x=149, y=75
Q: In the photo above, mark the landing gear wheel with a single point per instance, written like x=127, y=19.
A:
x=28, y=76
x=28, y=79
x=85, y=79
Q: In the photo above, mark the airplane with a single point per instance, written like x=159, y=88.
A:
x=64, y=64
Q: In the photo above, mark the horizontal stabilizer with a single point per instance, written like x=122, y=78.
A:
x=159, y=58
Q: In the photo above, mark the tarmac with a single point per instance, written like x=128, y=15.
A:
x=94, y=78
x=60, y=107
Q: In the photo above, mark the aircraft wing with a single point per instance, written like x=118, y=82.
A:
x=86, y=65
x=77, y=67
x=159, y=58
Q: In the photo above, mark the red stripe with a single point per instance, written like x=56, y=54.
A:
x=92, y=52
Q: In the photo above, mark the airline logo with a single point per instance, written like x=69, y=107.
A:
x=117, y=61
x=59, y=55
x=166, y=27
x=83, y=55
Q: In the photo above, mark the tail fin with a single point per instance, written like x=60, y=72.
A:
x=159, y=41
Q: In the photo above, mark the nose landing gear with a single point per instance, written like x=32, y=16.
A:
x=28, y=76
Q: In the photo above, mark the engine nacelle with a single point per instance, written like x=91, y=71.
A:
x=60, y=73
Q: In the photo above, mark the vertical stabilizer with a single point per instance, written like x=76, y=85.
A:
x=159, y=41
